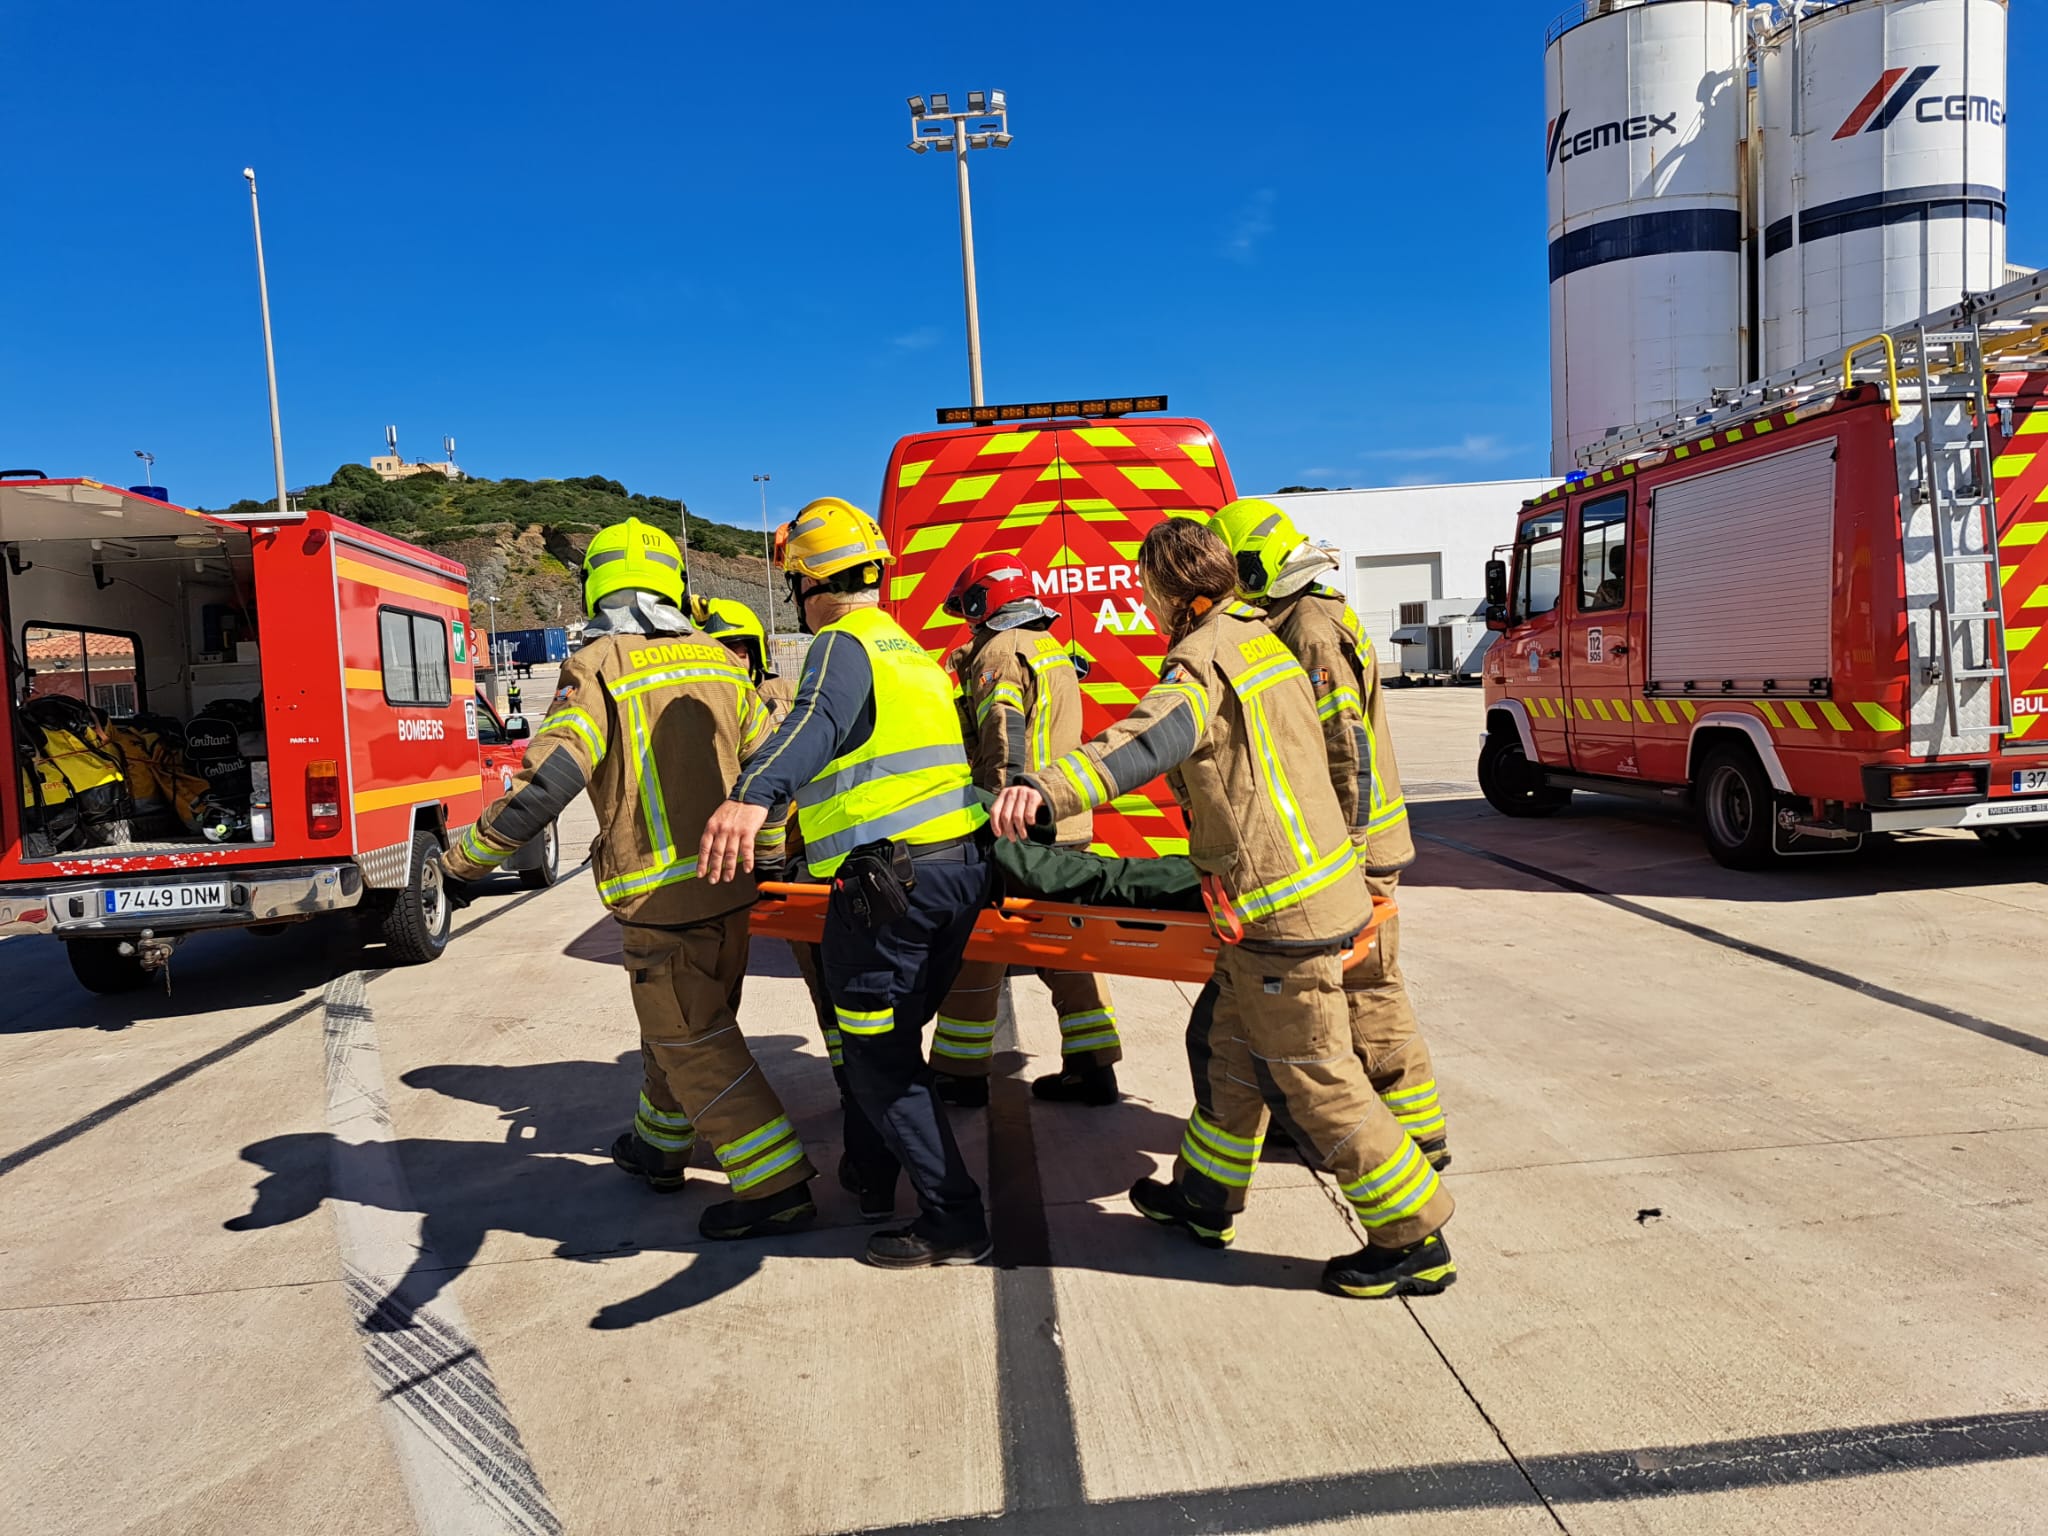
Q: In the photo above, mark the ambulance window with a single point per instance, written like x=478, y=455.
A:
x=1603, y=553
x=102, y=667
x=1539, y=566
x=414, y=649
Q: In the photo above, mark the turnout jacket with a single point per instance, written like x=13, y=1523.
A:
x=1232, y=724
x=1021, y=708
x=1324, y=634
x=654, y=727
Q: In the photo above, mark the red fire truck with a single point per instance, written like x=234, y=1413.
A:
x=291, y=705
x=1071, y=487
x=1813, y=612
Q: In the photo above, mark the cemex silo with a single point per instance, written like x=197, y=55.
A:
x=1882, y=193
x=1647, y=111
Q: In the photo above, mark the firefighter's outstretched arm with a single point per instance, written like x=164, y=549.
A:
x=558, y=766
x=1158, y=735
x=1002, y=740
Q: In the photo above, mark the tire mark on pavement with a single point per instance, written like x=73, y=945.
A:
x=466, y=1470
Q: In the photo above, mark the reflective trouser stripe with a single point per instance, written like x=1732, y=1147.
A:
x=1094, y=1030
x=1399, y=1188
x=855, y=1021
x=964, y=1039
x=1420, y=1112
x=760, y=1154
x=835, y=1048
x=1225, y=1158
x=473, y=848
x=668, y=1129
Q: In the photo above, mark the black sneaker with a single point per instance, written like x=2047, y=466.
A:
x=1165, y=1204
x=961, y=1092
x=908, y=1248
x=1094, y=1086
x=784, y=1211
x=1438, y=1152
x=877, y=1202
x=1421, y=1269
x=646, y=1162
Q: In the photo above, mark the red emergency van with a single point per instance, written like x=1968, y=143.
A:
x=289, y=706
x=1071, y=487
x=1815, y=612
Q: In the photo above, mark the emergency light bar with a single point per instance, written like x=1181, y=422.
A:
x=982, y=415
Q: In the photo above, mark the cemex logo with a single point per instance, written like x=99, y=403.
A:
x=1563, y=147
x=1889, y=97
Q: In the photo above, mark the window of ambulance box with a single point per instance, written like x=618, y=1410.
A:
x=414, y=651
x=1539, y=567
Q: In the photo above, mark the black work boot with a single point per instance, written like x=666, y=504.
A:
x=877, y=1198
x=1438, y=1151
x=1165, y=1204
x=1420, y=1269
x=784, y=1211
x=912, y=1247
x=644, y=1161
x=960, y=1092
x=1094, y=1086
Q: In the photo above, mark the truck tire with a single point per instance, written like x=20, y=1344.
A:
x=414, y=919
x=547, y=868
x=1737, y=805
x=100, y=966
x=1511, y=783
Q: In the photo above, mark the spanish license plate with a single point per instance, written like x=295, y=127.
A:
x=125, y=900
x=2030, y=781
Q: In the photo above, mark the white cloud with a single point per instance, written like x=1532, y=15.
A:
x=1472, y=449
x=1254, y=223
x=919, y=340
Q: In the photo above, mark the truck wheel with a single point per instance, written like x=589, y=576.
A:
x=100, y=966
x=1511, y=783
x=547, y=869
x=414, y=919
x=1737, y=806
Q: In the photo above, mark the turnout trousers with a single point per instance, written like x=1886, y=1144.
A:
x=963, y=1041
x=698, y=1076
x=1278, y=1031
x=885, y=984
x=1386, y=1036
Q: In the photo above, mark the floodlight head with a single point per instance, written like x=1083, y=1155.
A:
x=996, y=103
x=977, y=101
x=977, y=141
x=1002, y=140
x=919, y=145
x=917, y=106
x=939, y=105
x=249, y=173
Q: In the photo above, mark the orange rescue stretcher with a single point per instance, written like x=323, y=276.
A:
x=1056, y=935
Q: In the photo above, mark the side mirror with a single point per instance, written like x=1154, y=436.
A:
x=1497, y=584
x=1496, y=618
x=516, y=728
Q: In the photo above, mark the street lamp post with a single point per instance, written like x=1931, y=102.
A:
x=269, y=349
x=148, y=467
x=767, y=555
x=985, y=123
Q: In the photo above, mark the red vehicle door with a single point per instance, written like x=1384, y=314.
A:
x=1533, y=645
x=499, y=754
x=1600, y=664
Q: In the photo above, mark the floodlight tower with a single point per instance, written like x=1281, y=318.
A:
x=985, y=124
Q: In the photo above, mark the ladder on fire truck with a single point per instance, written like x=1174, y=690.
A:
x=1938, y=367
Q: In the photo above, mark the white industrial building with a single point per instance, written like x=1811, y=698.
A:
x=1410, y=544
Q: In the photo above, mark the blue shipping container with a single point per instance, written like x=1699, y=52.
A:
x=532, y=647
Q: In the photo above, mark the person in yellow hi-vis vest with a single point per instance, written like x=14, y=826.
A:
x=653, y=720
x=1232, y=723
x=885, y=804
x=1277, y=570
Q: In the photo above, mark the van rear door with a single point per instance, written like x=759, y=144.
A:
x=2022, y=475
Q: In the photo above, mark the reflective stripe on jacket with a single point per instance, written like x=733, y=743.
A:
x=909, y=780
x=1324, y=634
x=1232, y=722
x=655, y=727
x=1023, y=699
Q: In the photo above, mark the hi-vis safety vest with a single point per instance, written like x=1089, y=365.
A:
x=909, y=781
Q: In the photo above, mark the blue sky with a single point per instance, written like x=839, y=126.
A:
x=681, y=245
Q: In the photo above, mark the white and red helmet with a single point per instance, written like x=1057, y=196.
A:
x=995, y=590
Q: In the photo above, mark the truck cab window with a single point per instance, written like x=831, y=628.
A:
x=1603, y=553
x=414, y=652
x=1539, y=567
x=100, y=667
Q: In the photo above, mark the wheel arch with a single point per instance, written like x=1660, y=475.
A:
x=1516, y=713
x=1711, y=730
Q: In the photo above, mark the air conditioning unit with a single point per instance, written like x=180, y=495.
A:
x=1442, y=640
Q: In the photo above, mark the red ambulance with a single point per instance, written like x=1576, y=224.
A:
x=1071, y=487
x=290, y=711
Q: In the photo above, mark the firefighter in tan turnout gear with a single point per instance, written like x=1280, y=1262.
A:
x=1233, y=723
x=1277, y=569
x=1021, y=707
x=654, y=720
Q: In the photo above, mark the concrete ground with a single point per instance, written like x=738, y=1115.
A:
x=1749, y=1174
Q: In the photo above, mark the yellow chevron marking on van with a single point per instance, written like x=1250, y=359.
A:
x=910, y=474
x=931, y=536
x=1877, y=717
x=969, y=488
x=1836, y=719
x=1202, y=453
x=1007, y=442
